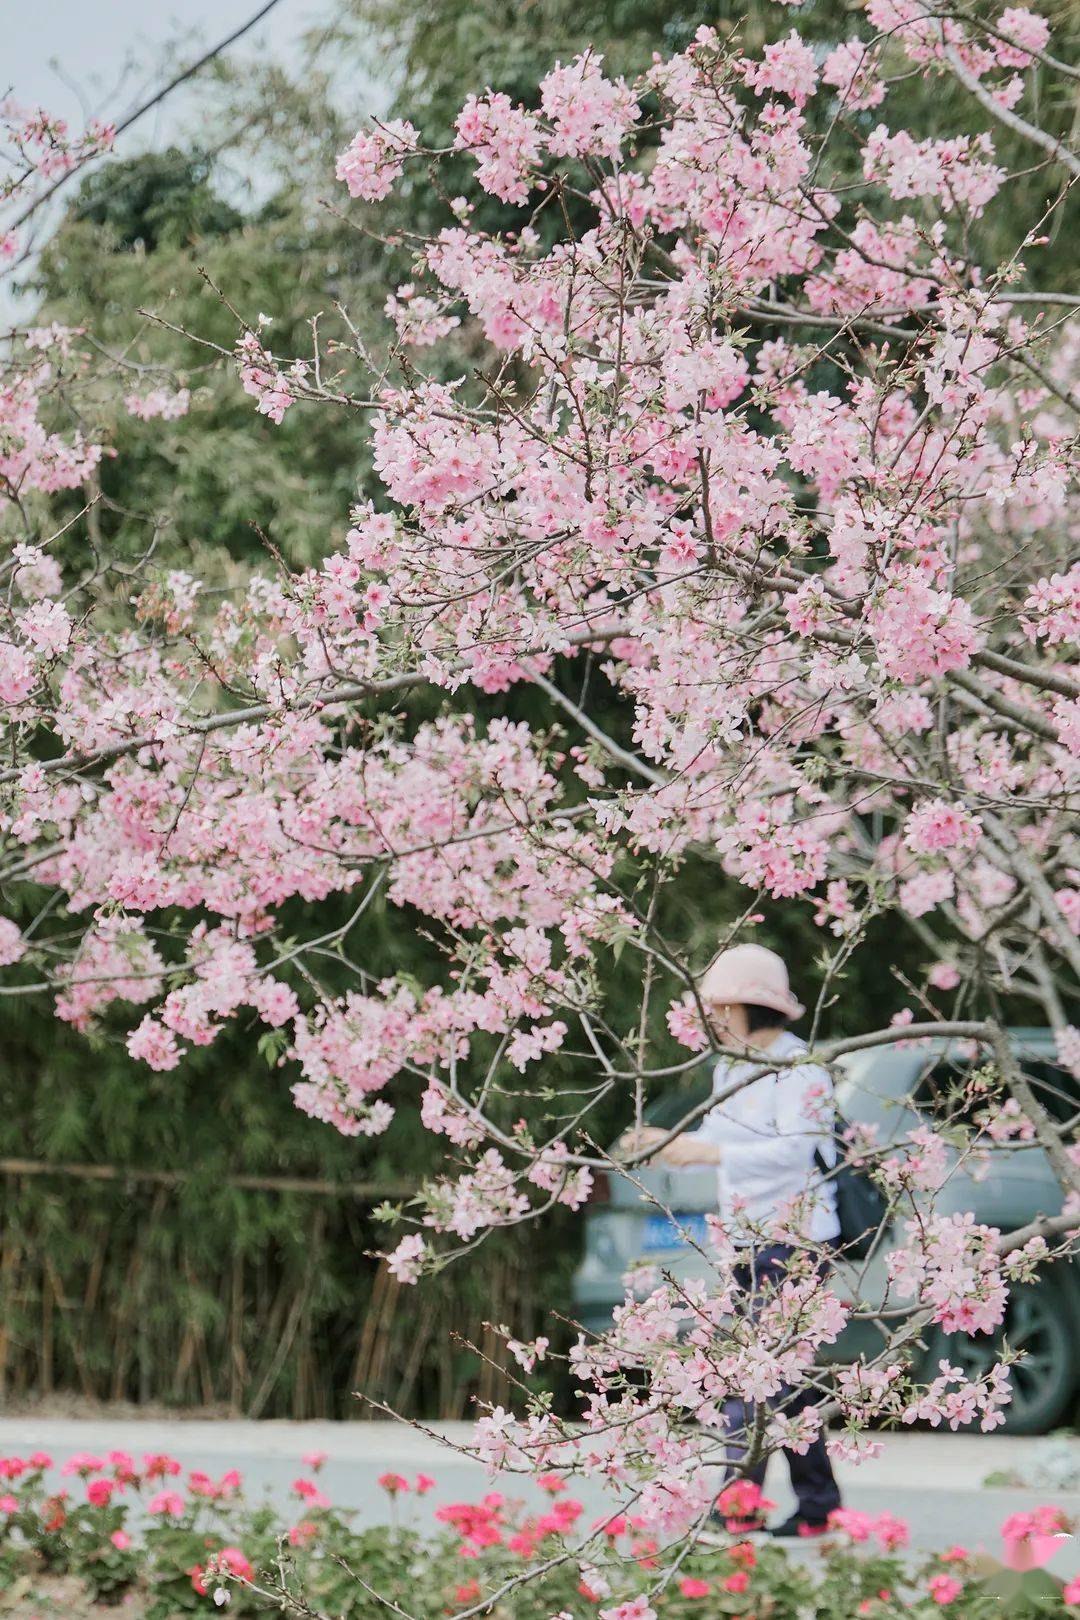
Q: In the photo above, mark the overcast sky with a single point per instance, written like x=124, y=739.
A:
x=101, y=56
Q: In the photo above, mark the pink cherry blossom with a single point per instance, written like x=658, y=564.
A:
x=12, y=944
x=374, y=159
x=589, y=114
x=850, y=68
x=505, y=141
x=159, y=402
x=404, y=1262
x=938, y=825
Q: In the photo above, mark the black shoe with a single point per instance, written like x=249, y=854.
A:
x=799, y=1527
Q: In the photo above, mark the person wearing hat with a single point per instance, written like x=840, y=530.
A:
x=763, y=1140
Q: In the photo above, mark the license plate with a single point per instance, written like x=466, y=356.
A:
x=664, y=1232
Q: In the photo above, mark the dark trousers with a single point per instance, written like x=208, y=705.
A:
x=812, y=1479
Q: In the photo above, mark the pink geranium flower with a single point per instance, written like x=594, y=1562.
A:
x=945, y=1589
x=169, y=1504
x=84, y=1463
x=1032, y=1539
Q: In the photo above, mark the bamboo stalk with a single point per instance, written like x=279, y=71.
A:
x=446, y=1372
x=411, y=1371
x=97, y=1271
x=46, y=1336
x=364, y=1348
x=237, y=1362
x=72, y=1334
x=205, y=1374
x=9, y=1270
x=184, y=1360
x=130, y=1299
x=274, y=1370
x=489, y=1344
x=381, y=1352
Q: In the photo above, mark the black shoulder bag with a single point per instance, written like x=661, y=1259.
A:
x=861, y=1206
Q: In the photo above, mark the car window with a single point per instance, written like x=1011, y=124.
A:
x=945, y=1093
x=1055, y=1087
x=948, y=1092
x=854, y=1070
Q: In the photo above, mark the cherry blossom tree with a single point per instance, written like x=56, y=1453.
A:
x=744, y=462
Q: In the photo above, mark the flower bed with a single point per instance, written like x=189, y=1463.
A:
x=103, y=1531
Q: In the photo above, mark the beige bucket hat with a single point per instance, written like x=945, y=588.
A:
x=752, y=975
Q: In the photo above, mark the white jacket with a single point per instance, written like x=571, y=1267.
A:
x=769, y=1132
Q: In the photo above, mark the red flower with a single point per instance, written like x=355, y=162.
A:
x=742, y=1502
x=53, y=1513
x=156, y=1465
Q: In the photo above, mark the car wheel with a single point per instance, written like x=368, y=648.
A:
x=1040, y=1320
